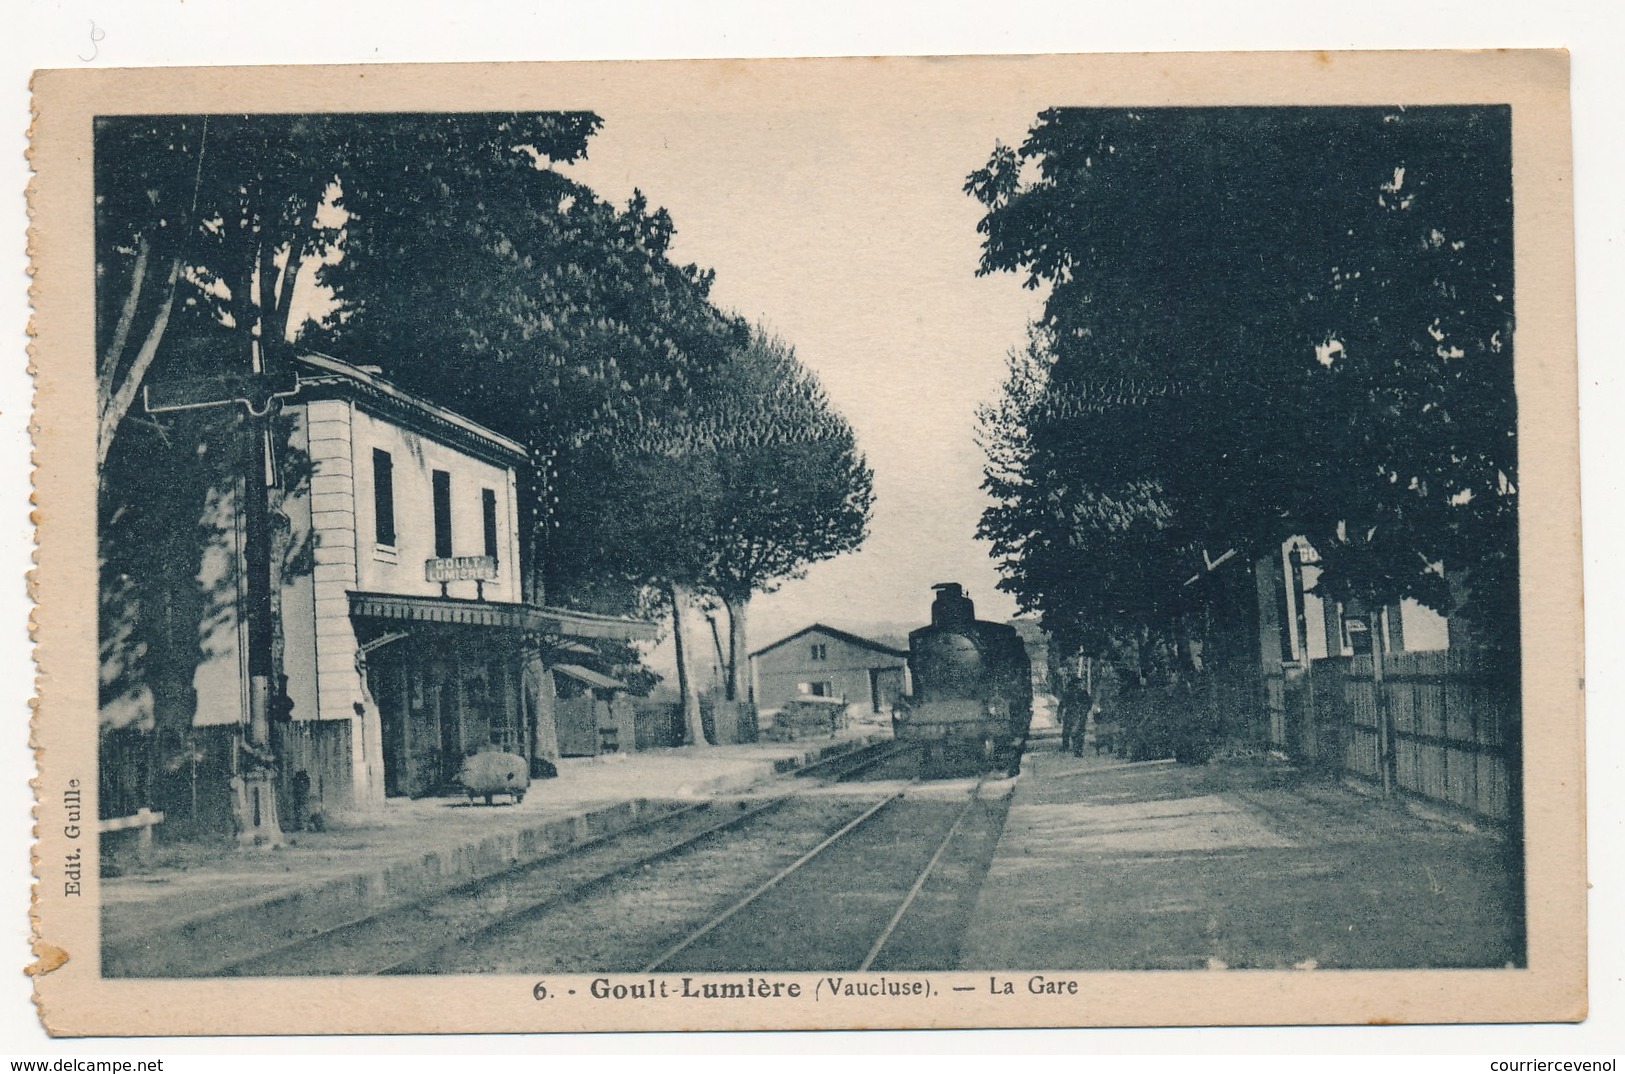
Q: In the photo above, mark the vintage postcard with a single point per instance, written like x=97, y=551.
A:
x=860, y=543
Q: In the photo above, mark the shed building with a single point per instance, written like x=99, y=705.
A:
x=821, y=661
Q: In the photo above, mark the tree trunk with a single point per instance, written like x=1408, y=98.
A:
x=119, y=401
x=126, y=318
x=679, y=595
x=282, y=308
x=741, y=684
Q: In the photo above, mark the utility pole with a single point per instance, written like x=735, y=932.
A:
x=257, y=822
x=260, y=393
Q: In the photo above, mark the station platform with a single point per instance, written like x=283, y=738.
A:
x=1250, y=863
x=159, y=916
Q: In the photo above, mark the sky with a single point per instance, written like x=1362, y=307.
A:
x=848, y=234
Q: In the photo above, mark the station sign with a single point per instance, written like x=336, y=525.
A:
x=460, y=569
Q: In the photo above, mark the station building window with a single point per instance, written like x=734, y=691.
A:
x=820, y=651
x=383, y=497
x=488, y=516
x=442, y=514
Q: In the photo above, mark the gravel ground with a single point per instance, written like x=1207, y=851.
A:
x=1106, y=865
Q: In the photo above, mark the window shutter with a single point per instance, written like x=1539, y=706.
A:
x=442, y=514
x=488, y=515
x=383, y=496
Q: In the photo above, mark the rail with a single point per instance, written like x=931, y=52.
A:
x=325, y=937
x=925, y=874
x=772, y=882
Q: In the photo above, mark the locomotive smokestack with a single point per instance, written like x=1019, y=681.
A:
x=951, y=608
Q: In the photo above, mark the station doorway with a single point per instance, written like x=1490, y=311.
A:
x=444, y=694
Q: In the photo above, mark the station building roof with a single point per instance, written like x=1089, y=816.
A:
x=321, y=375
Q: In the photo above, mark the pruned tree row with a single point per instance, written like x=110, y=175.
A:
x=1259, y=324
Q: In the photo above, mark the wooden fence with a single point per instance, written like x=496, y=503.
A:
x=1444, y=726
x=315, y=774
x=183, y=776
x=588, y=725
x=660, y=723
x=187, y=776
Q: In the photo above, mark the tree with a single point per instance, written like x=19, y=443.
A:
x=218, y=213
x=651, y=504
x=755, y=480
x=512, y=293
x=792, y=487
x=1098, y=552
x=1414, y=381
x=1196, y=388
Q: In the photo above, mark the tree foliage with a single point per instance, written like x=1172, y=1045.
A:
x=758, y=479
x=1260, y=322
x=670, y=449
x=495, y=284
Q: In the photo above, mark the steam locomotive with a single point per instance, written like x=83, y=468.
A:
x=973, y=691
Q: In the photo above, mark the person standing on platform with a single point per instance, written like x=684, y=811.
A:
x=1075, y=702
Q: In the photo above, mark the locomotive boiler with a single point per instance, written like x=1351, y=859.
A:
x=972, y=688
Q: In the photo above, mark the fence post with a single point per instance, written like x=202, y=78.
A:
x=1379, y=700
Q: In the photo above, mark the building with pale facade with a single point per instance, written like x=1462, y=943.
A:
x=404, y=643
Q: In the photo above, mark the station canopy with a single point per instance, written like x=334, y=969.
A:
x=501, y=615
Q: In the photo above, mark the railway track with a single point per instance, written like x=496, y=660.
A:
x=847, y=902
x=860, y=762
x=603, y=905
x=378, y=942
x=412, y=937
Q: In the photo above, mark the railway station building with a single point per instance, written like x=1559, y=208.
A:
x=821, y=661
x=405, y=643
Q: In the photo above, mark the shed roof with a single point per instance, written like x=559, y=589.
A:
x=849, y=638
x=588, y=676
